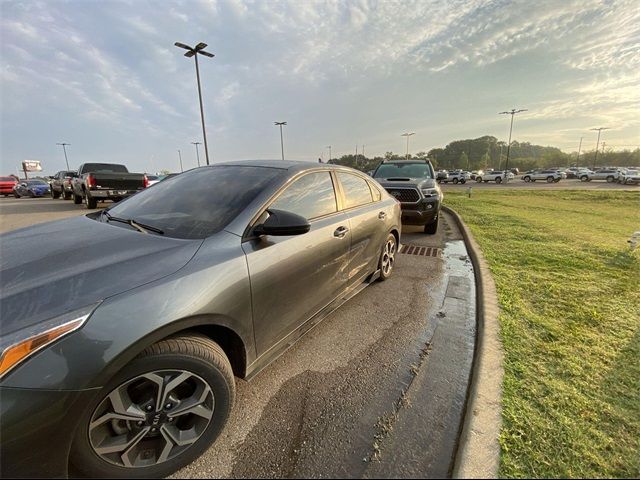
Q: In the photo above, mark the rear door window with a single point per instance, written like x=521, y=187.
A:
x=356, y=190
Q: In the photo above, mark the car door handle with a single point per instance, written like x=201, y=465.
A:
x=382, y=215
x=340, y=232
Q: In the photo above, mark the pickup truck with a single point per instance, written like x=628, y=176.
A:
x=105, y=181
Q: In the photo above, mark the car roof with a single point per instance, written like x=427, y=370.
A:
x=291, y=165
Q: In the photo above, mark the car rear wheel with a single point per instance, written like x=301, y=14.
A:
x=527, y=179
x=549, y=179
x=498, y=180
x=455, y=180
x=610, y=179
x=90, y=202
x=161, y=412
x=66, y=196
x=584, y=178
x=463, y=181
x=77, y=199
x=479, y=179
x=388, y=257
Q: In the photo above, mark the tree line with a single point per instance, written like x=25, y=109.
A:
x=488, y=152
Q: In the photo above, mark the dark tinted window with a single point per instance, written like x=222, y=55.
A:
x=197, y=203
x=356, y=190
x=310, y=196
x=104, y=167
x=404, y=170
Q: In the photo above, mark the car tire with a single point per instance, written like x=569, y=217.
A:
x=479, y=179
x=431, y=228
x=90, y=202
x=77, y=199
x=55, y=194
x=549, y=179
x=16, y=195
x=194, y=355
x=66, y=196
x=455, y=180
x=527, y=179
x=584, y=178
x=610, y=179
x=463, y=181
x=499, y=180
x=387, y=257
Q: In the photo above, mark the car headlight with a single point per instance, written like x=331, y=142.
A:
x=20, y=345
x=430, y=192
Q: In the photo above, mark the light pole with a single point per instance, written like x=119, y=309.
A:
x=407, y=135
x=280, y=124
x=329, y=147
x=512, y=113
x=193, y=52
x=180, y=157
x=595, y=158
x=197, y=154
x=65, y=152
x=579, y=148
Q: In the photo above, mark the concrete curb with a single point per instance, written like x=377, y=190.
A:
x=478, y=453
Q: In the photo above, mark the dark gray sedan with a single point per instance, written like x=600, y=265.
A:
x=122, y=330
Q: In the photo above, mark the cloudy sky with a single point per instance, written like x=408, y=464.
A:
x=105, y=77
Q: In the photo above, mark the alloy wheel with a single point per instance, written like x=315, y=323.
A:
x=151, y=418
x=388, y=256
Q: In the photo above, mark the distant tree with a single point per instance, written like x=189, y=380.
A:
x=463, y=161
x=485, y=160
x=165, y=172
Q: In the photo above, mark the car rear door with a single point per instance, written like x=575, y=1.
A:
x=368, y=223
x=294, y=277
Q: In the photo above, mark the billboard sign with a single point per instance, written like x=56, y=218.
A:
x=31, y=166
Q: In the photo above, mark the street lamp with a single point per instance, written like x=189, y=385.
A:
x=329, y=147
x=197, y=154
x=180, y=157
x=408, y=135
x=193, y=52
x=280, y=124
x=595, y=158
x=579, y=148
x=513, y=112
x=65, y=152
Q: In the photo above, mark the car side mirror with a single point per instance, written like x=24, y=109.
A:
x=282, y=223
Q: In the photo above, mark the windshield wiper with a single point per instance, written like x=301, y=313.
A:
x=131, y=222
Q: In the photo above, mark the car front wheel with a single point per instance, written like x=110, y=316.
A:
x=161, y=412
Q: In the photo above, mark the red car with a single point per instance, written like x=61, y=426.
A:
x=6, y=185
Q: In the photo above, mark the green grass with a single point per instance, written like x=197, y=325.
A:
x=569, y=293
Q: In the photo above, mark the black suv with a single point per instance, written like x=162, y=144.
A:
x=413, y=184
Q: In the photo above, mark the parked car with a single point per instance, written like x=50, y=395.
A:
x=630, y=177
x=6, y=185
x=105, y=181
x=457, y=176
x=413, y=184
x=608, y=174
x=494, y=176
x=442, y=176
x=57, y=184
x=152, y=179
x=163, y=299
x=550, y=176
x=31, y=188
x=475, y=173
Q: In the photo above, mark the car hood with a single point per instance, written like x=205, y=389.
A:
x=53, y=268
x=411, y=182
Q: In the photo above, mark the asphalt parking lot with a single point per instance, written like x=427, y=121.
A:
x=377, y=389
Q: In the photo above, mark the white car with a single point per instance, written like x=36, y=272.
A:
x=457, y=176
x=630, y=177
x=496, y=176
x=549, y=175
x=608, y=174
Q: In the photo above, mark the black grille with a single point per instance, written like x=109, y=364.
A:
x=404, y=195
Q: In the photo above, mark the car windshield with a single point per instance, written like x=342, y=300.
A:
x=404, y=170
x=197, y=203
x=35, y=182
